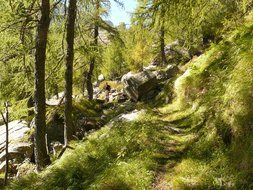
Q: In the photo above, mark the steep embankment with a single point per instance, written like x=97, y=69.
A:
x=216, y=92
x=203, y=140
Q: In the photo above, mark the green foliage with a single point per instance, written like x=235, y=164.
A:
x=114, y=63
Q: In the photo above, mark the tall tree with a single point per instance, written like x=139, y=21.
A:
x=95, y=44
x=41, y=157
x=69, y=129
x=162, y=36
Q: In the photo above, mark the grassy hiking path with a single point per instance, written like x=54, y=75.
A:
x=174, y=145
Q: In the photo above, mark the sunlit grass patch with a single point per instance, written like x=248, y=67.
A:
x=111, y=157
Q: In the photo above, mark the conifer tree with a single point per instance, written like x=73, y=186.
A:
x=41, y=156
x=95, y=44
x=69, y=129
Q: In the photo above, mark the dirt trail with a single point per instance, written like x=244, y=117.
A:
x=171, y=155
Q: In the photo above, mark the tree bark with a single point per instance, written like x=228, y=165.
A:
x=6, y=121
x=41, y=157
x=93, y=59
x=30, y=111
x=162, y=45
x=69, y=129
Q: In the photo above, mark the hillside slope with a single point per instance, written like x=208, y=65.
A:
x=203, y=140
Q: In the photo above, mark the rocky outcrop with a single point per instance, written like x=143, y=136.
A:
x=17, y=130
x=167, y=73
x=175, y=54
x=18, y=150
x=136, y=86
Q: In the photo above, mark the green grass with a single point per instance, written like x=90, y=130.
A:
x=120, y=157
x=214, y=98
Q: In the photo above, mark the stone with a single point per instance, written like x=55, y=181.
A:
x=56, y=147
x=151, y=67
x=165, y=74
x=55, y=100
x=18, y=152
x=132, y=116
x=101, y=78
x=25, y=168
x=175, y=54
x=136, y=86
x=55, y=129
x=17, y=130
x=2, y=167
x=127, y=117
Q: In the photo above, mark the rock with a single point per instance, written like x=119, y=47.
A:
x=25, y=168
x=18, y=152
x=55, y=100
x=165, y=74
x=131, y=116
x=17, y=130
x=95, y=84
x=55, y=129
x=96, y=92
x=2, y=167
x=56, y=147
x=127, y=117
x=101, y=78
x=175, y=54
x=136, y=86
x=151, y=67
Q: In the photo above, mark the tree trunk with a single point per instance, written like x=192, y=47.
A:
x=7, y=146
x=69, y=129
x=6, y=121
x=30, y=111
x=41, y=157
x=89, y=79
x=93, y=59
x=162, y=45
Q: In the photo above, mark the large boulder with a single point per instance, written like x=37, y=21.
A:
x=167, y=73
x=175, y=54
x=136, y=86
x=17, y=130
x=18, y=149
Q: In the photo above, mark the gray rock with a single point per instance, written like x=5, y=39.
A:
x=101, y=78
x=2, y=167
x=151, y=67
x=136, y=86
x=175, y=54
x=25, y=168
x=127, y=117
x=18, y=152
x=165, y=74
x=17, y=130
x=57, y=147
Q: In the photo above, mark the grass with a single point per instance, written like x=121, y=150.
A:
x=216, y=94
x=112, y=158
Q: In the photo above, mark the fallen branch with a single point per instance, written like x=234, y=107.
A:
x=64, y=149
